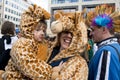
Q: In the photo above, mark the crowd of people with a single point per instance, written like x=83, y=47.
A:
x=28, y=54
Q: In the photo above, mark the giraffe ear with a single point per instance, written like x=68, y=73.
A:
x=70, y=15
x=58, y=15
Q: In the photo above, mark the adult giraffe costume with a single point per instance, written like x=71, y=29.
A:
x=75, y=68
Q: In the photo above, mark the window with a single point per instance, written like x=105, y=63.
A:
x=6, y=2
x=11, y=11
x=14, y=19
x=8, y=10
x=5, y=16
x=5, y=9
x=8, y=17
x=0, y=7
x=61, y=1
x=74, y=0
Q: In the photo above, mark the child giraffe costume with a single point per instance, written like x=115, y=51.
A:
x=28, y=61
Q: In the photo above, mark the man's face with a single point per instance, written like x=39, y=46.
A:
x=65, y=39
x=39, y=34
x=96, y=34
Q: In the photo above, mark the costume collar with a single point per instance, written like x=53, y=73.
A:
x=110, y=40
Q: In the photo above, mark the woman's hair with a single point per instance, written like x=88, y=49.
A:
x=8, y=28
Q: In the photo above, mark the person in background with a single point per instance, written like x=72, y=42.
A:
x=6, y=41
x=105, y=64
x=18, y=33
x=90, y=45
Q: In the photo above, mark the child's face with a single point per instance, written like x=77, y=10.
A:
x=39, y=33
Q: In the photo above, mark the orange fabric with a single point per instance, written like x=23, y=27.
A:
x=42, y=51
x=1, y=72
x=88, y=46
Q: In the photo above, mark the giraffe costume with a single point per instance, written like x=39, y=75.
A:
x=75, y=68
x=28, y=57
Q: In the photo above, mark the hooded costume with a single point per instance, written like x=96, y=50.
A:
x=75, y=67
x=28, y=56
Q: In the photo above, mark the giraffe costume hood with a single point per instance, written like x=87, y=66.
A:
x=75, y=68
x=74, y=23
x=30, y=18
x=26, y=61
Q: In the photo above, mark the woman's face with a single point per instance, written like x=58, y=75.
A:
x=39, y=33
x=65, y=39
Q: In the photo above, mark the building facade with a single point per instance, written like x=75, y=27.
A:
x=77, y=5
x=11, y=10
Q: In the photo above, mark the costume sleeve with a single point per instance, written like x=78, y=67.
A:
x=10, y=73
x=74, y=69
x=23, y=55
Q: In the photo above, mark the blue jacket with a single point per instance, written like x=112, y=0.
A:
x=105, y=65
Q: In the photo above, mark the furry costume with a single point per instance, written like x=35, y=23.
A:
x=26, y=60
x=75, y=67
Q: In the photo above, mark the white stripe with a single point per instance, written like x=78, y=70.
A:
x=108, y=65
x=99, y=68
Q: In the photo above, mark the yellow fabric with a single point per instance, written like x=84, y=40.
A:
x=42, y=51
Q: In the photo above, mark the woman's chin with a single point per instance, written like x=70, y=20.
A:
x=65, y=46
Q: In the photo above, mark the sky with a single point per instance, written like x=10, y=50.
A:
x=42, y=3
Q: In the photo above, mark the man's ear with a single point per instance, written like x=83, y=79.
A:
x=104, y=29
